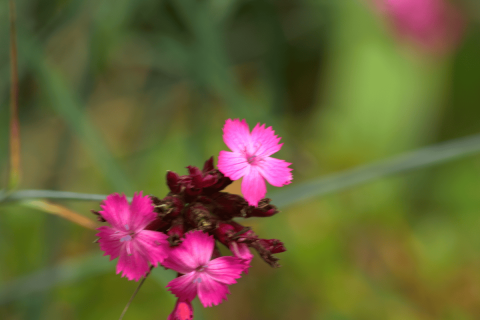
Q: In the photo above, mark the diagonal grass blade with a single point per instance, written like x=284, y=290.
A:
x=61, y=212
x=428, y=156
x=15, y=159
x=424, y=157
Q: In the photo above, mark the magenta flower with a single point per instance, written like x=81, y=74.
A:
x=434, y=25
x=207, y=278
x=126, y=237
x=183, y=311
x=250, y=159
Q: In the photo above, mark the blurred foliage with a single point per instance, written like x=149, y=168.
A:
x=114, y=93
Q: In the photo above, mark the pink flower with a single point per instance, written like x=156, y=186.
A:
x=207, y=278
x=251, y=159
x=127, y=237
x=183, y=311
x=434, y=25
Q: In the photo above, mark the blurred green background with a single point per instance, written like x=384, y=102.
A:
x=114, y=93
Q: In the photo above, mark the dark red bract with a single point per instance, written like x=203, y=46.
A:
x=196, y=202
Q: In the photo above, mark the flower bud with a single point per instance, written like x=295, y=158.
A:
x=183, y=311
x=264, y=209
x=172, y=181
x=272, y=245
x=223, y=232
x=199, y=217
x=176, y=232
x=221, y=182
x=196, y=176
x=229, y=205
x=208, y=166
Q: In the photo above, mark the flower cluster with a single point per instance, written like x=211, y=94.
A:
x=182, y=231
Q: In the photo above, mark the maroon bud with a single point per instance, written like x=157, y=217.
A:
x=264, y=209
x=272, y=245
x=229, y=205
x=169, y=207
x=209, y=180
x=192, y=192
x=221, y=182
x=208, y=166
x=199, y=217
x=243, y=234
x=265, y=254
x=155, y=200
x=177, y=228
x=176, y=232
x=173, y=206
x=223, y=232
x=196, y=176
x=172, y=181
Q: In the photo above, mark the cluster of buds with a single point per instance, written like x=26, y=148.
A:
x=196, y=202
x=182, y=231
x=156, y=231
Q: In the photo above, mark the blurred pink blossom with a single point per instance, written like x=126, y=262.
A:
x=435, y=26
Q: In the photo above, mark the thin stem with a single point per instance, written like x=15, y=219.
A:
x=50, y=194
x=428, y=156
x=15, y=169
x=425, y=157
x=135, y=293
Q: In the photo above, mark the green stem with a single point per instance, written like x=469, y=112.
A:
x=424, y=157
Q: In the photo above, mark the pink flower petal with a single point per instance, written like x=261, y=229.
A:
x=185, y=287
x=241, y=251
x=276, y=171
x=232, y=164
x=225, y=269
x=211, y=292
x=154, y=245
x=253, y=186
x=109, y=242
x=236, y=135
x=116, y=210
x=264, y=140
x=183, y=311
x=133, y=265
x=142, y=209
x=195, y=251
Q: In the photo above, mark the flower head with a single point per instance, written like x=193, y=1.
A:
x=200, y=275
x=250, y=159
x=183, y=311
x=126, y=236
